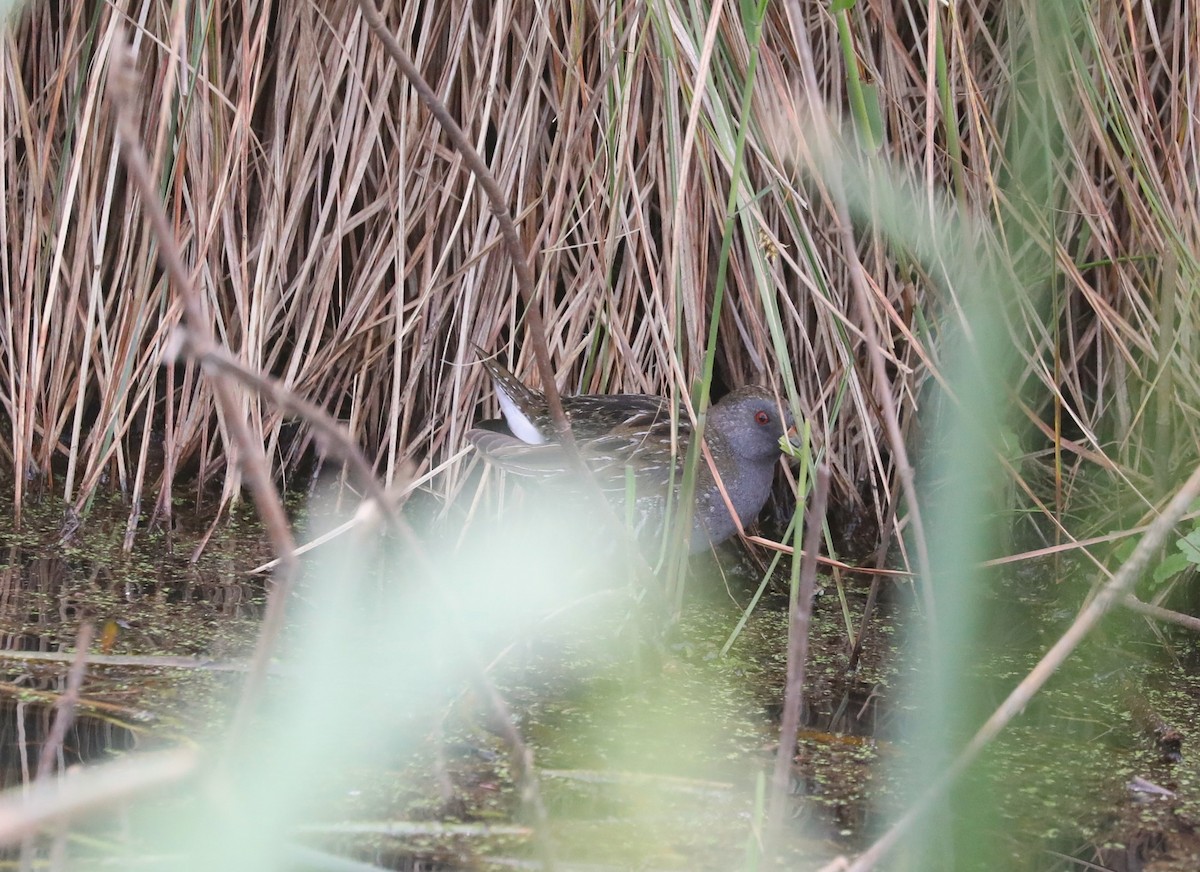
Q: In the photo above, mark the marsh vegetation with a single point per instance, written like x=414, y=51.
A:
x=254, y=250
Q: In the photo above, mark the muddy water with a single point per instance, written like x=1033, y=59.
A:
x=640, y=768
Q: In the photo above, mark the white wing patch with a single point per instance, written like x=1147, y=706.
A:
x=517, y=421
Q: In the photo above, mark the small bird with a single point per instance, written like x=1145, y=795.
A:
x=625, y=441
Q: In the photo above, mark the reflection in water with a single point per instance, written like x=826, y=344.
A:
x=24, y=726
x=139, y=609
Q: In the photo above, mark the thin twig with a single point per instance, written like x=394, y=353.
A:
x=520, y=259
x=797, y=655
x=64, y=716
x=95, y=788
x=145, y=661
x=898, y=574
x=881, y=550
x=1112, y=593
x=824, y=149
x=64, y=709
x=1131, y=602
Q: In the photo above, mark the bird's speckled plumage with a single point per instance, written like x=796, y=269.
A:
x=626, y=442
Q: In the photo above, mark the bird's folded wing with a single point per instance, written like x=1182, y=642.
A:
x=610, y=459
x=520, y=458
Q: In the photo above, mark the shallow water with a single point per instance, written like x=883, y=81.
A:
x=645, y=768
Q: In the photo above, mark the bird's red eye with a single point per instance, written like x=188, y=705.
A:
x=762, y=418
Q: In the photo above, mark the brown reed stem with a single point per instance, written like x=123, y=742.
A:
x=200, y=335
x=122, y=96
x=499, y=203
x=333, y=436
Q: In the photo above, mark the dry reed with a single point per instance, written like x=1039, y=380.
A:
x=342, y=247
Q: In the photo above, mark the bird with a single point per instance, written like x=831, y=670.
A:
x=625, y=442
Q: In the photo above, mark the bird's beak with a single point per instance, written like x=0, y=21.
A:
x=790, y=445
